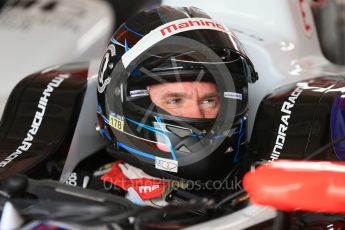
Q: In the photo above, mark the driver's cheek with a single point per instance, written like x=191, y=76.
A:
x=210, y=111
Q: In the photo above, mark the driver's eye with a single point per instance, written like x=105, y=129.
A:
x=213, y=101
x=174, y=101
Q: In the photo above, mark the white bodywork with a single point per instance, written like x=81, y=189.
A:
x=86, y=141
x=282, y=44
x=33, y=38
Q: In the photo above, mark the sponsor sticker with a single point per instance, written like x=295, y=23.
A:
x=116, y=121
x=72, y=179
x=138, y=93
x=170, y=29
x=286, y=110
x=166, y=164
x=233, y=95
x=105, y=65
x=37, y=120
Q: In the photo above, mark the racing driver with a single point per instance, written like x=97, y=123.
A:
x=172, y=107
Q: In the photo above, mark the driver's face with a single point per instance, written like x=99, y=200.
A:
x=187, y=99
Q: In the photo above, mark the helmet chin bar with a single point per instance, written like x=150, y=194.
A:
x=210, y=167
x=209, y=172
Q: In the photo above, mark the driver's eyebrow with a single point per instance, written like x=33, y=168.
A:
x=172, y=94
x=208, y=95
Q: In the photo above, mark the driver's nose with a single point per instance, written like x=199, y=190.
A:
x=193, y=111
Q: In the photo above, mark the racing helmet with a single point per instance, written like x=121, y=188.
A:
x=173, y=93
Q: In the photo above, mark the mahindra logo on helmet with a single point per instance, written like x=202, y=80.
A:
x=200, y=23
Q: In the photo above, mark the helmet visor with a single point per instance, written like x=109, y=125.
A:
x=182, y=97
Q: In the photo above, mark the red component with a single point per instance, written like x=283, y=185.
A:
x=316, y=186
x=146, y=188
x=306, y=25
